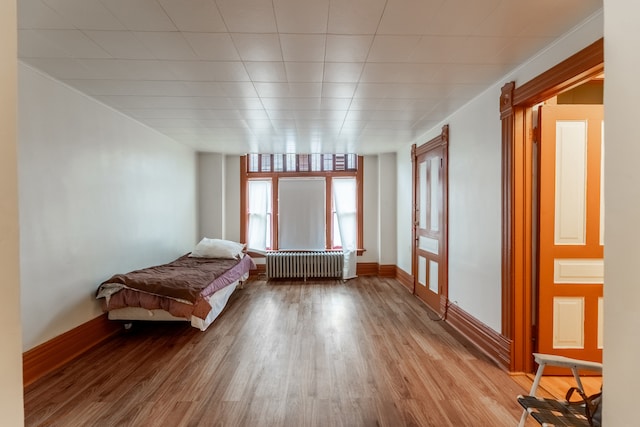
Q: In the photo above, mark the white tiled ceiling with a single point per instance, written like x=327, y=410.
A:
x=238, y=76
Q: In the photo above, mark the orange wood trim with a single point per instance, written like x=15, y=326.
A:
x=275, y=176
x=414, y=219
x=576, y=69
x=335, y=174
x=490, y=342
x=440, y=143
x=444, y=250
x=360, y=206
x=367, y=269
x=517, y=289
x=405, y=279
x=522, y=227
x=47, y=357
x=517, y=293
x=328, y=213
x=387, y=270
x=274, y=213
x=244, y=217
x=440, y=140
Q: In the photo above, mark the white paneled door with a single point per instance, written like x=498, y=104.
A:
x=571, y=231
x=430, y=222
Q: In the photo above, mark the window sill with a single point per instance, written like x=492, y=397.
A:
x=261, y=254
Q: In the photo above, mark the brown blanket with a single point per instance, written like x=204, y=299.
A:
x=184, y=278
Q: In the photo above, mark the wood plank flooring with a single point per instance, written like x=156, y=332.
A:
x=360, y=353
x=556, y=386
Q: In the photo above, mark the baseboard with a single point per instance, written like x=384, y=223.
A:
x=367, y=269
x=48, y=356
x=496, y=346
x=404, y=278
x=54, y=353
x=387, y=270
x=493, y=344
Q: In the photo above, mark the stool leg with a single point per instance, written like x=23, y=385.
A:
x=574, y=370
x=532, y=392
x=523, y=418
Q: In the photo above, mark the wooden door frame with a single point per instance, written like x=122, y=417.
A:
x=441, y=140
x=517, y=215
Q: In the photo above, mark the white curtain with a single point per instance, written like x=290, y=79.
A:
x=344, y=201
x=301, y=213
x=259, y=211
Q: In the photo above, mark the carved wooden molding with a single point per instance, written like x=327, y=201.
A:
x=576, y=69
x=506, y=99
x=444, y=135
x=442, y=139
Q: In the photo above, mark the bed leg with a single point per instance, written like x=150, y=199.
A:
x=128, y=326
x=240, y=285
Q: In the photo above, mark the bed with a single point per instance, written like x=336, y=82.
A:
x=195, y=287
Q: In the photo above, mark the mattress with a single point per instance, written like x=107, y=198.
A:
x=217, y=301
x=186, y=289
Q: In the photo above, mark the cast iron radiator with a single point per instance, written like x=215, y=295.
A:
x=303, y=265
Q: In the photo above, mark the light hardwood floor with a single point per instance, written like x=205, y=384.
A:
x=360, y=353
x=556, y=386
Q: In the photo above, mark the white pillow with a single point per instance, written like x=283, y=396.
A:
x=217, y=248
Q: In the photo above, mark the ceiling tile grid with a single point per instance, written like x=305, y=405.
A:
x=238, y=76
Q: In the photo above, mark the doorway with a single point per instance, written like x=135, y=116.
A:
x=518, y=221
x=430, y=222
x=568, y=280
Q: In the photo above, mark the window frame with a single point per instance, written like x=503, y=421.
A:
x=246, y=176
x=269, y=213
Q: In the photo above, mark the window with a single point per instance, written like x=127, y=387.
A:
x=333, y=184
x=302, y=215
x=259, y=214
x=345, y=213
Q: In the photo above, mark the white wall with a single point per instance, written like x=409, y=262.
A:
x=404, y=202
x=371, y=219
x=475, y=185
x=387, y=208
x=475, y=264
x=11, y=400
x=232, y=199
x=99, y=194
x=622, y=211
x=211, y=190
